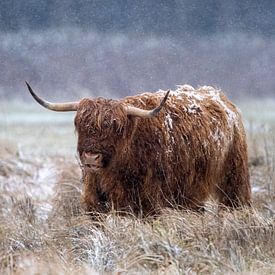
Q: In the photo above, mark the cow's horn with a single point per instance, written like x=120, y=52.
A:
x=133, y=111
x=59, y=107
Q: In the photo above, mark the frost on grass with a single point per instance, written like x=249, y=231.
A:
x=29, y=178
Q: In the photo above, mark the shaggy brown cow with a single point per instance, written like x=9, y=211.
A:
x=191, y=146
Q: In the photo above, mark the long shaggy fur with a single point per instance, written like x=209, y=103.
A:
x=194, y=148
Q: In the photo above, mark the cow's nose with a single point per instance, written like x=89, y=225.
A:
x=92, y=161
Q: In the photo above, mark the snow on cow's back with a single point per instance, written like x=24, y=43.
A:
x=207, y=107
x=196, y=100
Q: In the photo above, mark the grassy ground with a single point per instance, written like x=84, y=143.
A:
x=44, y=229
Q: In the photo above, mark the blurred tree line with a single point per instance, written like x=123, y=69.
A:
x=158, y=17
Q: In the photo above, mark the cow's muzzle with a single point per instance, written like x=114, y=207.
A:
x=92, y=162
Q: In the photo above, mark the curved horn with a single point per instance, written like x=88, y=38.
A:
x=133, y=111
x=59, y=107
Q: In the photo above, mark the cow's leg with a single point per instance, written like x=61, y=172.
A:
x=94, y=199
x=234, y=189
x=193, y=199
x=195, y=204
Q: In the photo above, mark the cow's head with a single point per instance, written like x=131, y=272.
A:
x=102, y=125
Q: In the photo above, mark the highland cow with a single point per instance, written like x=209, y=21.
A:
x=163, y=149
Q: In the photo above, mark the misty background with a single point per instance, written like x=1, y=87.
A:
x=70, y=49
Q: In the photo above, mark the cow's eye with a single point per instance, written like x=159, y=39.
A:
x=106, y=124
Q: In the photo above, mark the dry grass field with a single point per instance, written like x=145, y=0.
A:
x=44, y=229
